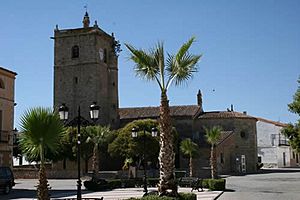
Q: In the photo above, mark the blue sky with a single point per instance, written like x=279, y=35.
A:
x=250, y=49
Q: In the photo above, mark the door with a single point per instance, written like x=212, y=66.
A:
x=243, y=163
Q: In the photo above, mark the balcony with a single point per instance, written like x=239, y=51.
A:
x=284, y=143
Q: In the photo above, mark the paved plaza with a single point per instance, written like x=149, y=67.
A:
x=25, y=189
x=280, y=184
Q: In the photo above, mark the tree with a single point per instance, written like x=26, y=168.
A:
x=41, y=132
x=212, y=137
x=292, y=131
x=191, y=149
x=178, y=68
x=132, y=148
x=97, y=136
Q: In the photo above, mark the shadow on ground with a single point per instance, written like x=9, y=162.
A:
x=266, y=171
x=23, y=193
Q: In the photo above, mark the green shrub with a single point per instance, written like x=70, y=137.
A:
x=182, y=196
x=96, y=185
x=217, y=184
x=115, y=183
x=187, y=196
x=205, y=183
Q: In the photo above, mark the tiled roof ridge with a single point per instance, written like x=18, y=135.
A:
x=141, y=107
x=7, y=70
x=271, y=122
x=225, y=114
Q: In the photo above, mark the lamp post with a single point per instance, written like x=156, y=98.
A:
x=134, y=134
x=64, y=114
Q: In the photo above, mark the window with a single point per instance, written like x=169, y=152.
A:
x=2, y=84
x=105, y=56
x=75, y=51
x=273, y=138
x=222, y=158
x=75, y=80
x=101, y=54
x=243, y=134
x=259, y=159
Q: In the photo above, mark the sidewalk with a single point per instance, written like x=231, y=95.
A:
x=125, y=193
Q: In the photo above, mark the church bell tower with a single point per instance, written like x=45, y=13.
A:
x=86, y=71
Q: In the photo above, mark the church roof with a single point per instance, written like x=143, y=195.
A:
x=153, y=112
x=271, y=122
x=223, y=115
x=6, y=70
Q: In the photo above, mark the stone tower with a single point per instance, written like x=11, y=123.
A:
x=86, y=71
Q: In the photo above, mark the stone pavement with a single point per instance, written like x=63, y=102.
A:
x=125, y=193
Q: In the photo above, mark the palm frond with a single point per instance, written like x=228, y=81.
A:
x=41, y=130
x=182, y=66
x=188, y=147
x=213, y=134
x=184, y=48
x=145, y=65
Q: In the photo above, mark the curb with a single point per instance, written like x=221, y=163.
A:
x=219, y=195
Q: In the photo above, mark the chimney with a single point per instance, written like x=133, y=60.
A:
x=245, y=112
x=199, y=100
x=231, y=107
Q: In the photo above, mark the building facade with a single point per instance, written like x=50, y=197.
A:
x=273, y=147
x=86, y=71
x=236, y=149
x=7, y=102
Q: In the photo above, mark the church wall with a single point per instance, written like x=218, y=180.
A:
x=240, y=145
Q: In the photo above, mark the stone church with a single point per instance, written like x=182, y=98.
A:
x=86, y=71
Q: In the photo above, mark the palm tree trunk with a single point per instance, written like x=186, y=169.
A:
x=42, y=188
x=191, y=167
x=95, y=161
x=213, y=162
x=166, y=154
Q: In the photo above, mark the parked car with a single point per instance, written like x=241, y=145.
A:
x=7, y=180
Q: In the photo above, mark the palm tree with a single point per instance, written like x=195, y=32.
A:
x=97, y=136
x=212, y=137
x=41, y=132
x=191, y=149
x=176, y=68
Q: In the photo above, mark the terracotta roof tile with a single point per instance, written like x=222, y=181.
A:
x=153, y=112
x=271, y=122
x=224, y=114
x=2, y=68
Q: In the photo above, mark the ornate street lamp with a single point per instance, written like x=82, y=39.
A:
x=64, y=114
x=134, y=134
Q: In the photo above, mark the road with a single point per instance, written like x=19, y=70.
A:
x=281, y=184
x=25, y=190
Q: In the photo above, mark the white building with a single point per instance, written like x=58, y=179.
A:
x=272, y=147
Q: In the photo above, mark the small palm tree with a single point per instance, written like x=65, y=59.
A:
x=212, y=137
x=41, y=132
x=191, y=149
x=97, y=136
x=176, y=68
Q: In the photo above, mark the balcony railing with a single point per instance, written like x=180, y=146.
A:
x=284, y=143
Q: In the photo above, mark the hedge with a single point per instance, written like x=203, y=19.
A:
x=182, y=196
x=102, y=184
x=217, y=184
